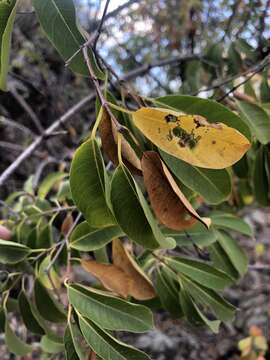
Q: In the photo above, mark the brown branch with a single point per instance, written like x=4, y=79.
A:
x=100, y=25
x=27, y=108
x=115, y=12
x=259, y=68
x=98, y=89
x=142, y=70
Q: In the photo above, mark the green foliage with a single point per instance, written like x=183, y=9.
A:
x=89, y=185
x=7, y=16
x=58, y=20
x=43, y=243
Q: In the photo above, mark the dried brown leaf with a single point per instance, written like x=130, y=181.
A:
x=67, y=224
x=141, y=287
x=168, y=202
x=111, y=276
x=108, y=134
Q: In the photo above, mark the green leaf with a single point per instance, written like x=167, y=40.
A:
x=168, y=294
x=213, y=185
x=7, y=16
x=110, y=312
x=133, y=213
x=50, y=345
x=210, y=298
x=70, y=350
x=49, y=279
x=14, y=344
x=86, y=238
x=49, y=182
x=48, y=308
x=58, y=20
x=12, y=252
x=106, y=346
x=75, y=345
x=231, y=222
x=210, y=109
x=89, y=184
x=234, y=251
x=257, y=119
x=193, y=313
x=221, y=261
x=201, y=272
x=28, y=315
x=241, y=168
x=260, y=179
x=197, y=234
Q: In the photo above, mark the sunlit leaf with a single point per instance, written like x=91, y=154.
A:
x=191, y=138
x=209, y=109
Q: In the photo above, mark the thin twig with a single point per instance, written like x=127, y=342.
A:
x=27, y=108
x=259, y=69
x=15, y=125
x=63, y=243
x=100, y=25
x=98, y=89
x=35, y=144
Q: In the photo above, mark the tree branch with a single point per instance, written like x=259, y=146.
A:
x=50, y=130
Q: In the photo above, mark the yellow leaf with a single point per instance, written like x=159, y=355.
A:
x=141, y=287
x=191, y=138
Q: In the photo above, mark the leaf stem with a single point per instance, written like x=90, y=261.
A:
x=99, y=118
x=120, y=108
